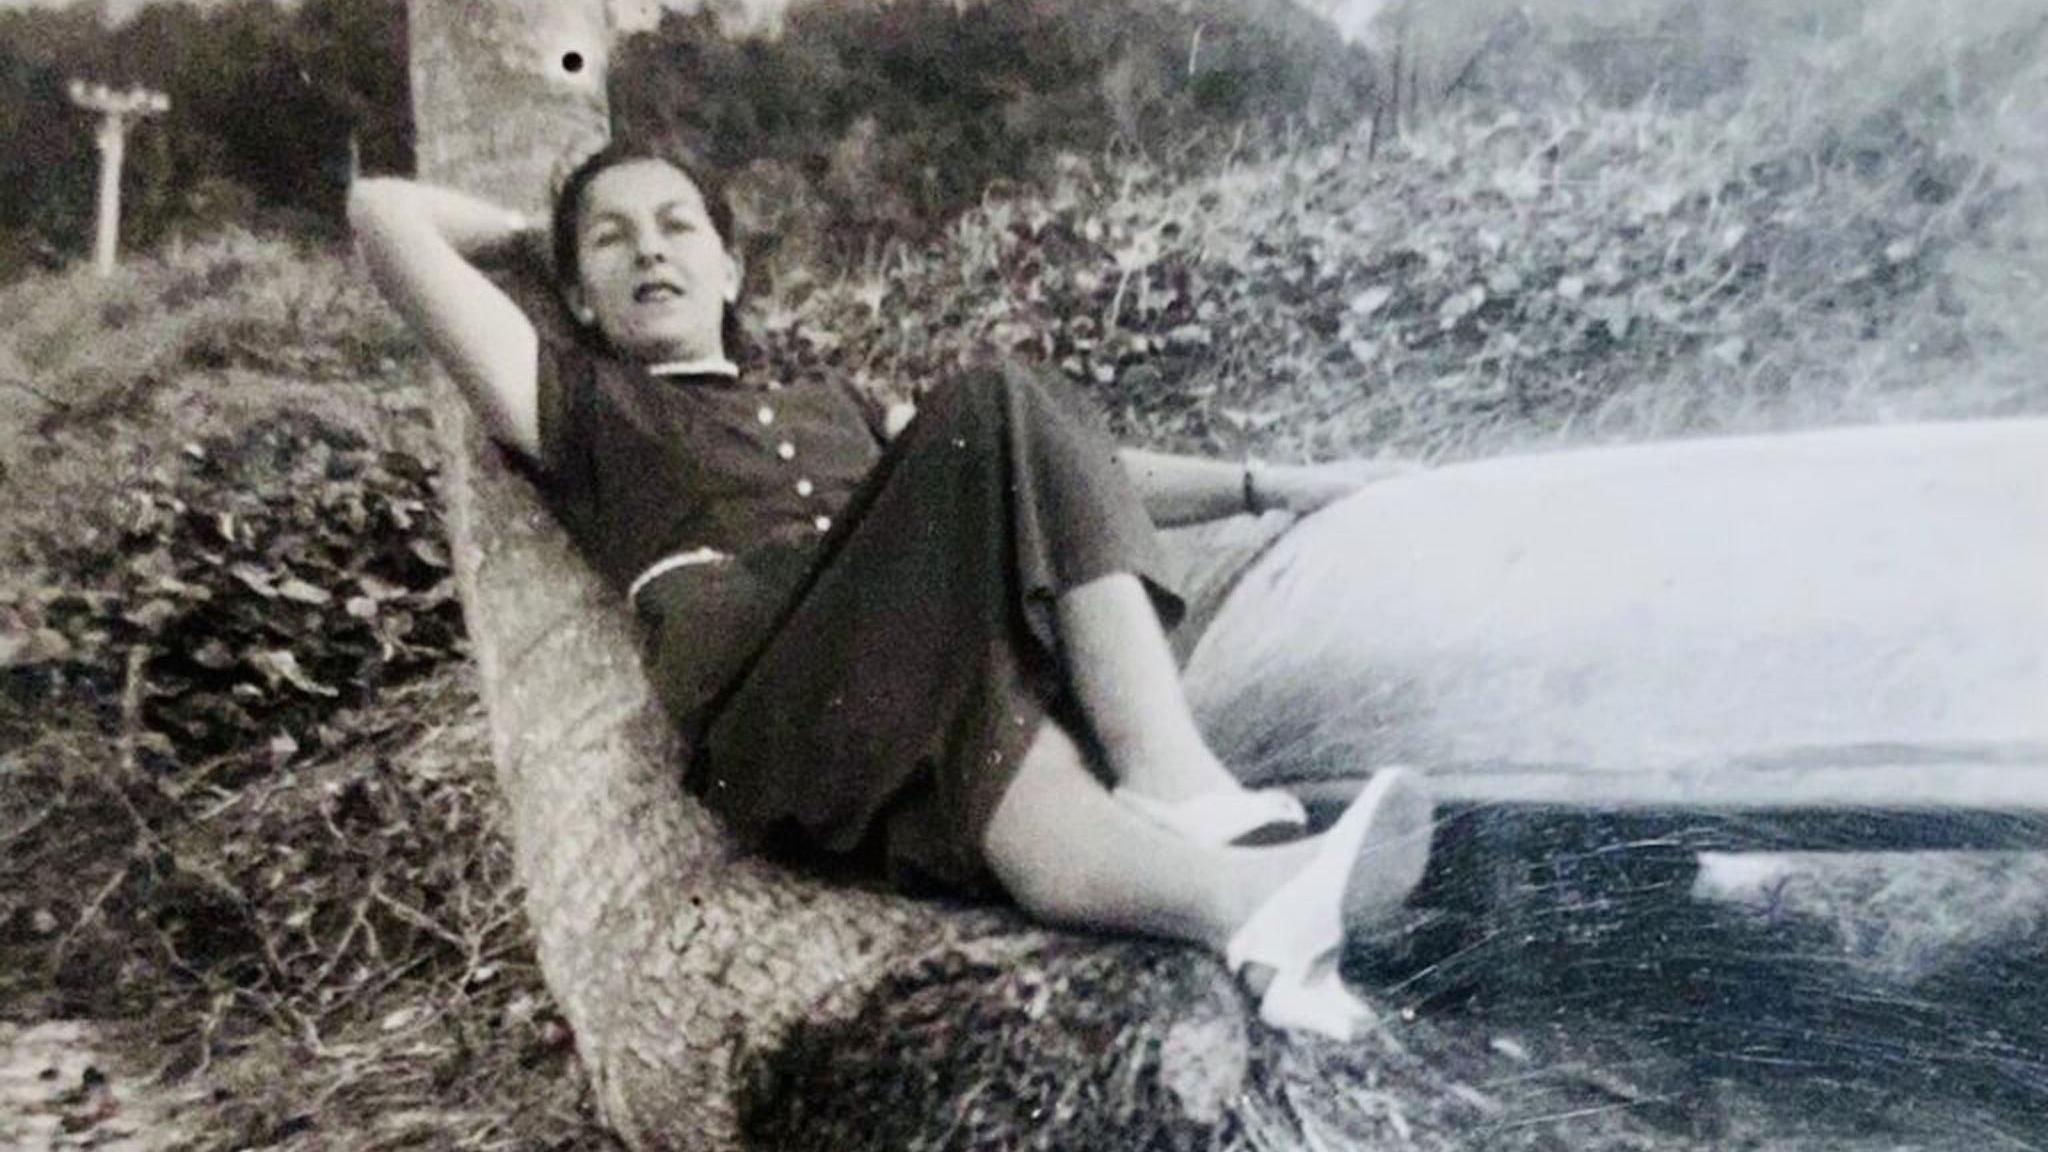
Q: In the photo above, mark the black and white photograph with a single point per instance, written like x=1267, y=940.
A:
x=971, y=575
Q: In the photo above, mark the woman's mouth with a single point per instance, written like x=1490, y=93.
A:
x=656, y=292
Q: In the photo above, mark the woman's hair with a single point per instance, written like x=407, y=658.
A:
x=568, y=212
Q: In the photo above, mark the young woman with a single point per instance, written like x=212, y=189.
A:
x=941, y=650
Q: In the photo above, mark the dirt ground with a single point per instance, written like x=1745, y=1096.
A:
x=68, y=1084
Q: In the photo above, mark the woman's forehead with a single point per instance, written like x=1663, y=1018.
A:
x=640, y=185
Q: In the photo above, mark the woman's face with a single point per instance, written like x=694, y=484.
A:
x=652, y=273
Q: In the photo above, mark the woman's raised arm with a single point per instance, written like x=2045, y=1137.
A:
x=420, y=242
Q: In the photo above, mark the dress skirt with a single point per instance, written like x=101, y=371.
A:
x=891, y=693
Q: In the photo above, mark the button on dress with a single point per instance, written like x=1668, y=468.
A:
x=860, y=679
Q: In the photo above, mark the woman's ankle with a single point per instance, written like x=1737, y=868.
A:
x=1259, y=875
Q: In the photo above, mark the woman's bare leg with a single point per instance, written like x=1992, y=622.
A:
x=1070, y=854
x=1123, y=672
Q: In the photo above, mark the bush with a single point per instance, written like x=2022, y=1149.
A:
x=898, y=116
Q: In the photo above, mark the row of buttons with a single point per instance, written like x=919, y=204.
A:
x=787, y=451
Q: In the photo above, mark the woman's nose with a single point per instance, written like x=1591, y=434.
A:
x=647, y=256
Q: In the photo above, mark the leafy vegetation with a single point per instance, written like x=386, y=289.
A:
x=871, y=122
x=271, y=106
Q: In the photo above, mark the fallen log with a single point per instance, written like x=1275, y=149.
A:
x=1829, y=639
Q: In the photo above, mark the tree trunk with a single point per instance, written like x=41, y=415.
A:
x=1769, y=603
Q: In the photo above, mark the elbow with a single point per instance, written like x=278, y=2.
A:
x=371, y=200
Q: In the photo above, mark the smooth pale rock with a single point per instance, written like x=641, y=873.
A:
x=1831, y=598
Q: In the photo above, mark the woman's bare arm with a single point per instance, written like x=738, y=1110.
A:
x=1190, y=489
x=420, y=242
x=1184, y=489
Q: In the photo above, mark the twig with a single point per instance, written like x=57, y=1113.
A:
x=357, y=922
x=418, y=919
x=1569, y=1114
x=89, y=913
x=131, y=712
x=1116, y=303
x=34, y=822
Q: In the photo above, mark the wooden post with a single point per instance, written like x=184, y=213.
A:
x=117, y=111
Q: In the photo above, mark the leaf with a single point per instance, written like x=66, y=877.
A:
x=1245, y=421
x=154, y=565
x=1660, y=199
x=430, y=553
x=152, y=616
x=379, y=589
x=1517, y=183
x=1571, y=287
x=298, y=591
x=1460, y=305
x=1371, y=300
x=258, y=580
x=280, y=666
x=214, y=656
x=1729, y=351
x=402, y=1018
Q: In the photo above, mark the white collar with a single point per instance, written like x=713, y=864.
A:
x=702, y=366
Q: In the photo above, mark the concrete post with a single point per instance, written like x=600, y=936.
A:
x=116, y=110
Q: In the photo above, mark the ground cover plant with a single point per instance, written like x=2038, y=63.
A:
x=246, y=812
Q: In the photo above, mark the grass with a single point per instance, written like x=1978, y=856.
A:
x=1839, y=217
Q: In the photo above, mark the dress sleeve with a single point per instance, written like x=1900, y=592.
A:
x=873, y=413
x=564, y=376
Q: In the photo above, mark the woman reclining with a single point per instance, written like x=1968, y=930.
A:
x=935, y=651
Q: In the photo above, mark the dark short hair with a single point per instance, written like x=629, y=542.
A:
x=568, y=210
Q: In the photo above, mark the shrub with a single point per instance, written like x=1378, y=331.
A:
x=898, y=116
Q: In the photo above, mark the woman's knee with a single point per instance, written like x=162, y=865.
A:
x=1022, y=843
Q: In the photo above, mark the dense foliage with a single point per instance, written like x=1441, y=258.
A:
x=867, y=121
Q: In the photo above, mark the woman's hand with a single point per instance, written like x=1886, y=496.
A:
x=1303, y=488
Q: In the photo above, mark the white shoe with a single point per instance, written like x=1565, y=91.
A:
x=1364, y=868
x=1221, y=818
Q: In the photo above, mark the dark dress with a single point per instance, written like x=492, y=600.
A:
x=860, y=680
